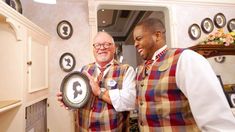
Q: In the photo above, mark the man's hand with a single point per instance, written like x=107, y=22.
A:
x=94, y=85
x=60, y=100
x=96, y=89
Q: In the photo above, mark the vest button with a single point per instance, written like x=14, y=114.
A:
x=141, y=123
x=141, y=84
x=141, y=103
x=92, y=108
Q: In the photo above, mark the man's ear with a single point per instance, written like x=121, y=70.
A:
x=158, y=35
x=115, y=47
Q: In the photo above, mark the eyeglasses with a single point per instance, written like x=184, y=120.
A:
x=105, y=45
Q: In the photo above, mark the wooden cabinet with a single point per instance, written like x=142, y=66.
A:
x=24, y=67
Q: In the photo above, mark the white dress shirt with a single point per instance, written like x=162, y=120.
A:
x=123, y=99
x=197, y=80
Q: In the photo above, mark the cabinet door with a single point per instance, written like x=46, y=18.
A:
x=10, y=62
x=37, y=63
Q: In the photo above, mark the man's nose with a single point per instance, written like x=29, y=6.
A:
x=102, y=46
x=136, y=44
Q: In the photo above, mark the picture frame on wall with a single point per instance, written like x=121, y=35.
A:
x=67, y=62
x=230, y=96
x=64, y=29
x=15, y=4
x=219, y=59
x=231, y=25
x=219, y=20
x=207, y=25
x=231, y=99
x=194, y=31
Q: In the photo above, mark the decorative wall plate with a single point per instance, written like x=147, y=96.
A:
x=219, y=59
x=231, y=25
x=230, y=96
x=220, y=20
x=207, y=25
x=194, y=31
x=75, y=89
x=64, y=29
x=231, y=99
x=67, y=62
x=15, y=4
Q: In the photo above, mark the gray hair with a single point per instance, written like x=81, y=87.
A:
x=106, y=33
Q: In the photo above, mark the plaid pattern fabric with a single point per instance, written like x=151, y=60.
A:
x=98, y=115
x=162, y=106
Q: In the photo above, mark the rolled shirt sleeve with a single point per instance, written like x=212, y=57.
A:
x=197, y=80
x=124, y=99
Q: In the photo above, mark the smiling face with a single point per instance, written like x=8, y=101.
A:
x=149, y=36
x=105, y=50
x=145, y=42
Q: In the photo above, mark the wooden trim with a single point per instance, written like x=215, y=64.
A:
x=214, y=50
x=9, y=104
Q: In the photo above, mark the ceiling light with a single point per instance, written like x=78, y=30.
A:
x=46, y=1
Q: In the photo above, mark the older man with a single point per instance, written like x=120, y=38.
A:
x=113, y=87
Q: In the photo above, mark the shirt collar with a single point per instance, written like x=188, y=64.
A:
x=159, y=51
x=110, y=63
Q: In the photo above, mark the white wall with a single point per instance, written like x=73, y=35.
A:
x=129, y=55
x=188, y=14
x=226, y=69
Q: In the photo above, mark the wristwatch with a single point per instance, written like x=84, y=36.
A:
x=102, y=90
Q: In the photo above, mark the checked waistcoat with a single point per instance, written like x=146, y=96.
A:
x=98, y=115
x=161, y=104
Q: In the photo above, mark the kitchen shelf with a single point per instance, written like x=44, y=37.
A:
x=9, y=104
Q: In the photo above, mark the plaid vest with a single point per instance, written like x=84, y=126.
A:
x=98, y=115
x=161, y=104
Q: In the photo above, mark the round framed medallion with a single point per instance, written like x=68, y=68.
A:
x=220, y=20
x=67, y=62
x=75, y=89
x=231, y=99
x=194, y=31
x=207, y=25
x=219, y=59
x=231, y=25
x=64, y=29
x=15, y=4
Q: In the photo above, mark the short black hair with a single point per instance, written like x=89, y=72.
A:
x=152, y=25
